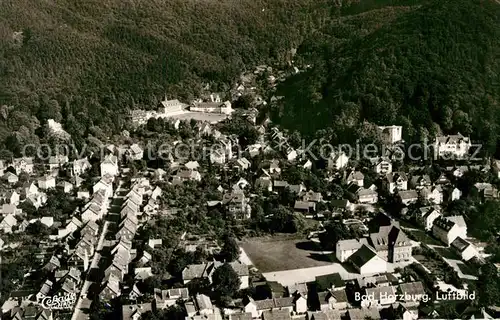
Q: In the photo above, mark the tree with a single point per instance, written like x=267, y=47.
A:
x=225, y=281
x=334, y=231
x=230, y=250
x=488, y=285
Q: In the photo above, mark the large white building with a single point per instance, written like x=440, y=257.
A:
x=449, y=228
x=345, y=248
x=456, y=146
x=392, y=134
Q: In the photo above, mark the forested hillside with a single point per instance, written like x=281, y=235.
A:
x=87, y=61
x=433, y=67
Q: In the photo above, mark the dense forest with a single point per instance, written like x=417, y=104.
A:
x=431, y=67
x=87, y=62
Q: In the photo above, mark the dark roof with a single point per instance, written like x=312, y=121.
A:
x=444, y=224
x=460, y=244
x=326, y=281
x=412, y=288
x=362, y=256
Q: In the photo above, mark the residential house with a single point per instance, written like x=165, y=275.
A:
x=56, y=162
x=333, y=300
x=337, y=160
x=366, y=261
x=366, y=196
x=412, y=293
x=258, y=307
x=12, y=197
x=212, y=107
x=237, y=204
x=10, y=177
x=396, y=181
x=452, y=146
x=8, y=223
x=325, y=315
x=381, y=165
x=135, y=152
x=128, y=229
x=340, y=206
x=53, y=264
x=345, y=248
x=330, y=282
x=363, y=313
x=486, y=190
x=80, y=166
x=425, y=216
x=446, y=230
x=379, y=296
x=264, y=182
x=109, y=166
x=460, y=221
x=466, y=249
x=23, y=165
x=106, y=185
x=407, y=197
x=442, y=180
x=46, y=182
x=355, y=177
x=65, y=186
x=167, y=298
x=274, y=167
x=205, y=270
x=453, y=194
x=420, y=181
x=242, y=164
x=304, y=206
x=391, y=244
x=134, y=311
x=432, y=194
x=391, y=134
x=186, y=175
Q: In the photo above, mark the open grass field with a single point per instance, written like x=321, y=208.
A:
x=276, y=254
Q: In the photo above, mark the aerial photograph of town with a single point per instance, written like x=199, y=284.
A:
x=249, y=159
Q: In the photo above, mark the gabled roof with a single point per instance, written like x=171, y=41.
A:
x=362, y=256
x=412, y=288
x=460, y=244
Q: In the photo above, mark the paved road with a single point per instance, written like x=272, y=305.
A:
x=86, y=285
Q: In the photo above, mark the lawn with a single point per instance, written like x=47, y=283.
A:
x=467, y=270
x=422, y=236
x=447, y=253
x=276, y=254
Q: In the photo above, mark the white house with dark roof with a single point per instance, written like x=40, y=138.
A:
x=46, y=182
x=10, y=177
x=8, y=223
x=452, y=146
x=446, y=230
x=396, y=181
x=425, y=216
x=381, y=165
x=466, y=249
x=366, y=261
x=355, y=177
x=23, y=165
x=407, y=196
x=337, y=160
